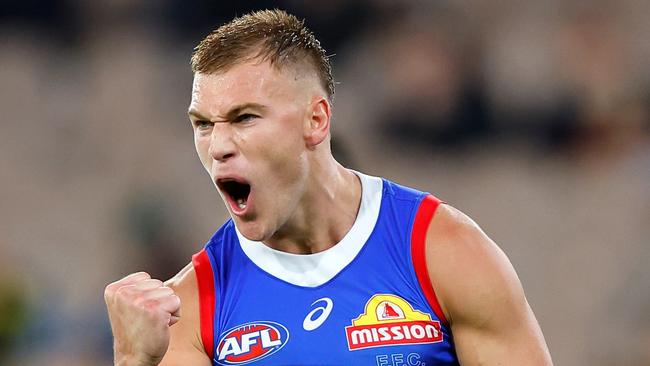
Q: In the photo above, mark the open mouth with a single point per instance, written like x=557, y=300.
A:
x=237, y=193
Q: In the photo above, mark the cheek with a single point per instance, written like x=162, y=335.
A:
x=285, y=155
x=289, y=168
x=202, y=146
x=278, y=142
x=280, y=147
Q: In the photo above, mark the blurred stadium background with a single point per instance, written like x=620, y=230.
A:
x=531, y=116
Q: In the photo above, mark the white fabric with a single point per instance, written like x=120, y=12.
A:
x=312, y=270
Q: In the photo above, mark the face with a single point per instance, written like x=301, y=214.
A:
x=253, y=133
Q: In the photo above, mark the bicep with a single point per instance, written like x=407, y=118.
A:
x=495, y=325
x=490, y=318
x=513, y=341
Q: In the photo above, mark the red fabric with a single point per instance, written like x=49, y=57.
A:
x=423, y=217
x=205, y=279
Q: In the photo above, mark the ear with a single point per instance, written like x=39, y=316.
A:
x=317, y=126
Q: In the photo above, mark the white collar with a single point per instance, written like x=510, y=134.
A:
x=312, y=270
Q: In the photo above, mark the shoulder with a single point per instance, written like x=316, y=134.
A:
x=469, y=272
x=480, y=294
x=451, y=229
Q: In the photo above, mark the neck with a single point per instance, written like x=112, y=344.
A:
x=326, y=212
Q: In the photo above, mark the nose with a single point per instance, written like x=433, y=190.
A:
x=222, y=146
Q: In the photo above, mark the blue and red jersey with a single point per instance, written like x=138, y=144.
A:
x=368, y=300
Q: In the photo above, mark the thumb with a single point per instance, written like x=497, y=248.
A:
x=175, y=317
x=173, y=306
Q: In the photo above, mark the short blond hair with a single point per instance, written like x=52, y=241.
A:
x=270, y=35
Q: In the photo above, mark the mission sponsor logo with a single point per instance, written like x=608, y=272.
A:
x=389, y=320
x=251, y=342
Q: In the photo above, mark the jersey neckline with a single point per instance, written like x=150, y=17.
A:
x=313, y=270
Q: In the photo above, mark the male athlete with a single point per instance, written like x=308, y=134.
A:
x=319, y=265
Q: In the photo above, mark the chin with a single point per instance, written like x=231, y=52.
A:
x=252, y=230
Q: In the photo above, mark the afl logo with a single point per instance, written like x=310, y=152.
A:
x=251, y=342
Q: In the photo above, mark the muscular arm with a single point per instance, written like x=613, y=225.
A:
x=185, y=345
x=481, y=295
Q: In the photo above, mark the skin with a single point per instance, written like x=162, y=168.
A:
x=292, y=182
x=237, y=117
x=481, y=295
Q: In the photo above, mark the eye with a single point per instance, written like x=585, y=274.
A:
x=246, y=117
x=203, y=125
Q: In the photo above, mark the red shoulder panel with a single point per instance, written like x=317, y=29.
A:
x=423, y=217
x=205, y=280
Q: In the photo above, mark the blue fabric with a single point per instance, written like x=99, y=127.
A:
x=260, y=319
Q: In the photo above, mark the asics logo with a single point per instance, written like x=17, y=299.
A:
x=321, y=312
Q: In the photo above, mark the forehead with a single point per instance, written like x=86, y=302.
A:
x=251, y=82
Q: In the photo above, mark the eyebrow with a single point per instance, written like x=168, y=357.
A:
x=232, y=113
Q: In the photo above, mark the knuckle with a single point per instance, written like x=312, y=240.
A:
x=111, y=288
x=142, y=273
x=123, y=293
x=156, y=282
x=139, y=300
x=151, y=306
x=109, y=292
x=176, y=302
x=150, y=283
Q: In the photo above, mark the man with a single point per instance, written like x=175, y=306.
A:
x=319, y=265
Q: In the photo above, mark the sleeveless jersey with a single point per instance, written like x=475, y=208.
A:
x=368, y=300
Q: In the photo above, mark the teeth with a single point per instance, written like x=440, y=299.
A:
x=241, y=203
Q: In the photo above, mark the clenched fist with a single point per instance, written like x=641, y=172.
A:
x=141, y=310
